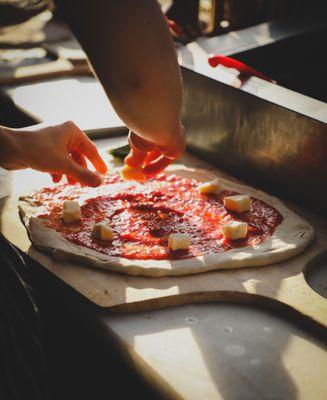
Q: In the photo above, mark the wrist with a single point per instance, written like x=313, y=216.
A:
x=169, y=135
x=10, y=149
x=174, y=137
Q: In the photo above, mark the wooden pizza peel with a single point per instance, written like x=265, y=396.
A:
x=282, y=286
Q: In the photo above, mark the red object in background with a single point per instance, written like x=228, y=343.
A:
x=175, y=29
x=229, y=62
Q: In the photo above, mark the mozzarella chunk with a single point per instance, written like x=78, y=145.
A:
x=71, y=211
x=130, y=173
x=179, y=241
x=235, y=230
x=238, y=203
x=102, y=231
x=212, y=187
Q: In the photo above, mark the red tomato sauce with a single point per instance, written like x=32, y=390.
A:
x=142, y=215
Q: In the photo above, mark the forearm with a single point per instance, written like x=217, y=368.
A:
x=131, y=51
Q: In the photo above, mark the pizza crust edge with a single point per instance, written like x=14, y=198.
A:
x=290, y=238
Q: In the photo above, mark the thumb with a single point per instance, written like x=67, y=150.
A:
x=81, y=174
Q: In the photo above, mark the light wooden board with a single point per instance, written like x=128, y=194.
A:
x=281, y=286
x=219, y=351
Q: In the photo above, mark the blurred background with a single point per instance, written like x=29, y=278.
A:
x=216, y=17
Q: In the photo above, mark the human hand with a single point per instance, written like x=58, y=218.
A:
x=60, y=150
x=152, y=157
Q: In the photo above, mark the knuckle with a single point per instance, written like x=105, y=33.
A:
x=93, y=147
x=70, y=124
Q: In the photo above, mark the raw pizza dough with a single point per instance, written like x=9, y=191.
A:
x=290, y=238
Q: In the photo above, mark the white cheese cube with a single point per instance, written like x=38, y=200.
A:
x=235, y=230
x=130, y=173
x=238, y=203
x=212, y=187
x=179, y=241
x=102, y=231
x=71, y=211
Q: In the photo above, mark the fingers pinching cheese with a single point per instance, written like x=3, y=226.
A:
x=71, y=211
x=238, y=203
x=130, y=173
x=102, y=231
x=212, y=187
x=179, y=241
x=235, y=230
